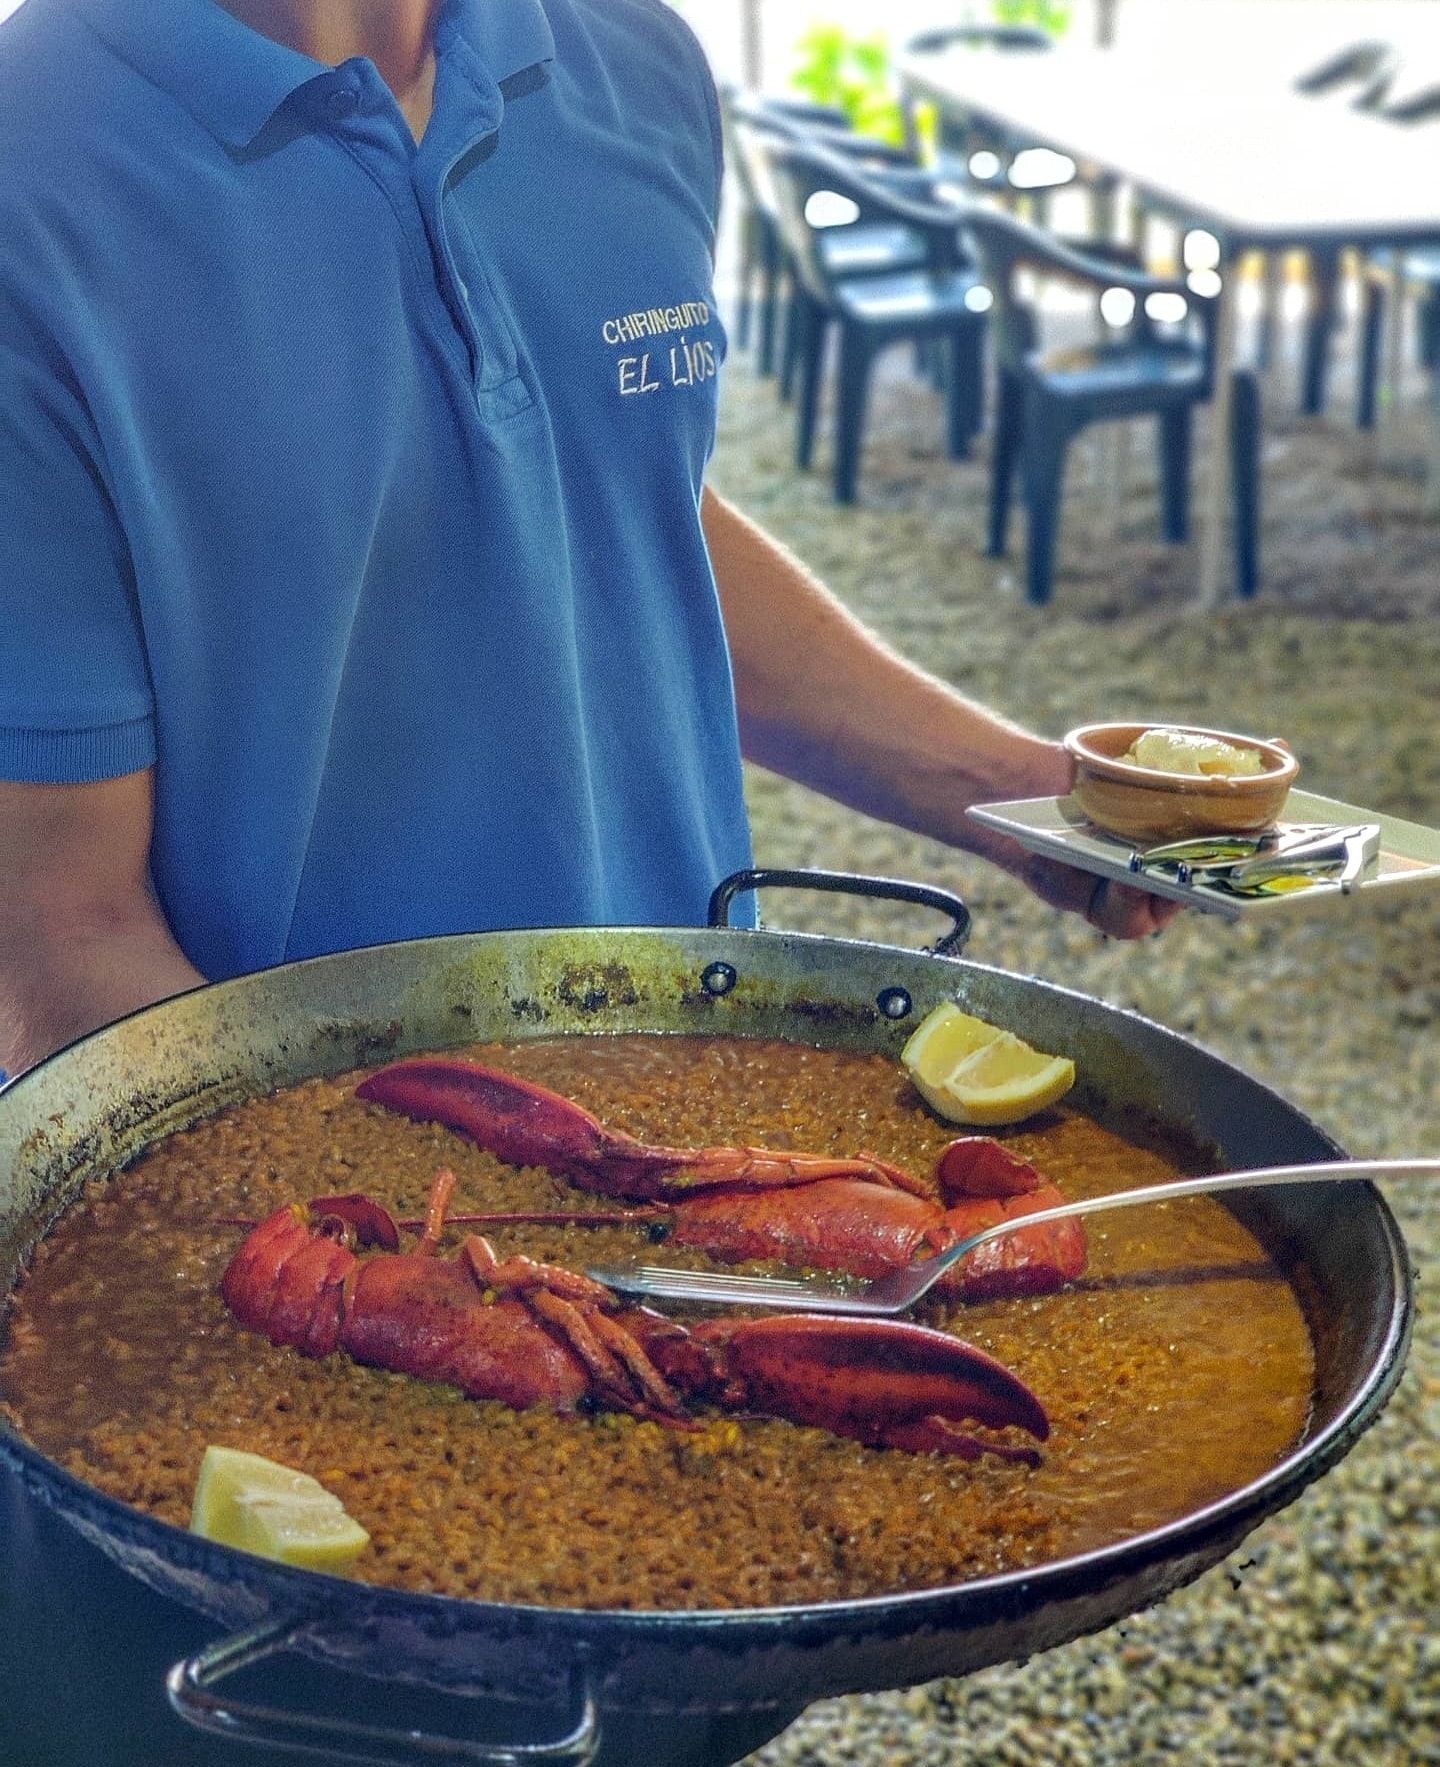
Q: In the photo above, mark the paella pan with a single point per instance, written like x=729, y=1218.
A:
x=96, y=1108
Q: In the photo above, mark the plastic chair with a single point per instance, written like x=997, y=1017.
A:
x=1046, y=398
x=858, y=250
x=760, y=257
x=939, y=300
x=851, y=246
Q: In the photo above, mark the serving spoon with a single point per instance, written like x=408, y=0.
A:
x=901, y=1289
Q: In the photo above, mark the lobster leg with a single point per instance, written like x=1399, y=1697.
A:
x=579, y=1308
x=425, y=1316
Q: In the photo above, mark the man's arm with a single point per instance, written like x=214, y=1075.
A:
x=82, y=938
x=825, y=702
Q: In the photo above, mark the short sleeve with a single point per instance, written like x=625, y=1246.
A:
x=75, y=697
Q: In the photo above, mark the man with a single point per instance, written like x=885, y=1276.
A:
x=357, y=378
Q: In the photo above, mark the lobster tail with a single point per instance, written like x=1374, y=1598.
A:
x=287, y=1281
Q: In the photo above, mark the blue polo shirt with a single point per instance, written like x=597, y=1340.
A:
x=354, y=484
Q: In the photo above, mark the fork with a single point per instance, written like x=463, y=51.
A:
x=900, y=1289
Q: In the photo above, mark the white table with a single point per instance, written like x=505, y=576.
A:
x=1218, y=143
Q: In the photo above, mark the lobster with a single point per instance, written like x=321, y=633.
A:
x=532, y=1334
x=861, y=1215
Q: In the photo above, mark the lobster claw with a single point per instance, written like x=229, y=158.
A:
x=887, y=1383
x=979, y=1166
x=525, y=1124
x=516, y=1120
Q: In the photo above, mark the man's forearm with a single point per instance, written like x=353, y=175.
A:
x=823, y=701
x=59, y=981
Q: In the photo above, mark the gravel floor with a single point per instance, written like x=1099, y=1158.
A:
x=1317, y=1642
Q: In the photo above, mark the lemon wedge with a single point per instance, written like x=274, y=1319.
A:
x=260, y=1506
x=973, y=1072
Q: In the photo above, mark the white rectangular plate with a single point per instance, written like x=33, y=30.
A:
x=1056, y=828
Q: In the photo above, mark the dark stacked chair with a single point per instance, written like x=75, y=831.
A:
x=762, y=262
x=1045, y=398
x=765, y=282
x=970, y=279
x=940, y=299
x=761, y=265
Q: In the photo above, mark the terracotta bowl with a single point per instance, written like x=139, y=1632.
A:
x=1144, y=804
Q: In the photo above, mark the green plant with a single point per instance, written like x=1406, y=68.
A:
x=1053, y=16
x=853, y=73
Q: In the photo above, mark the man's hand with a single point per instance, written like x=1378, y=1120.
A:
x=825, y=702
x=1116, y=909
x=82, y=938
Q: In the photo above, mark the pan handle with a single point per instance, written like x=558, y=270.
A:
x=949, y=944
x=189, y=1683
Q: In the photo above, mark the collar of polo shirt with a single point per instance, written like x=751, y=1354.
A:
x=233, y=80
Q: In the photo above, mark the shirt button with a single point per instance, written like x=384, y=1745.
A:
x=340, y=102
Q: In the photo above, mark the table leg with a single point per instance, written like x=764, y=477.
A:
x=1269, y=352
x=1392, y=390
x=1215, y=516
x=1110, y=218
x=1115, y=467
